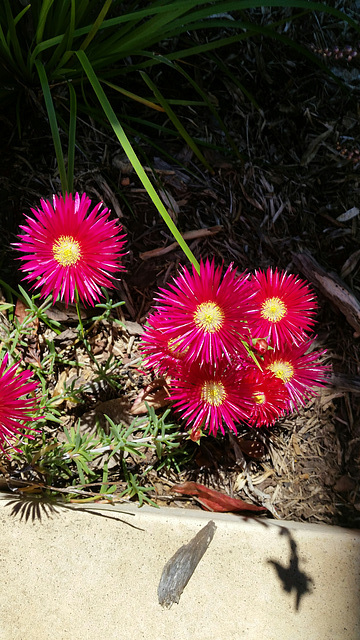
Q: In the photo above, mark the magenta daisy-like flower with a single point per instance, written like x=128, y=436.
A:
x=282, y=308
x=69, y=249
x=268, y=395
x=209, y=397
x=301, y=372
x=204, y=313
x=16, y=409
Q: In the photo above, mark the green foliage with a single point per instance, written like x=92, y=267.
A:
x=169, y=442
x=73, y=460
x=108, y=307
x=66, y=48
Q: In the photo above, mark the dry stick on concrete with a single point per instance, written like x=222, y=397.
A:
x=179, y=569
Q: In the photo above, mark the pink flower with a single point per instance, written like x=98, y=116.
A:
x=208, y=396
x=204, y=314
x=282, y=307
x=269, y=397
x=159, y=351
x=70, y=249
x=301, y=372
x=15, y=409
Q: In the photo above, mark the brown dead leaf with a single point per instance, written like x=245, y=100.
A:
x=156, y=395
x=22, y=311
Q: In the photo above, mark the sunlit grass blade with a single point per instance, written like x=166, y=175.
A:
x=120, y=134
x=53, y=124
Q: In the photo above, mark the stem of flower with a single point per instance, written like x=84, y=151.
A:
x=82, y=332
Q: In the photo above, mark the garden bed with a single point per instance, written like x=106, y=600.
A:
x=295, y=191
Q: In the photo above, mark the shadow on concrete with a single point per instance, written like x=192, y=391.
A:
x=291, y=577
x=31, y=507
x=35, y=508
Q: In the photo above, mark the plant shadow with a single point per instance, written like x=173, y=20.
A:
x=36, y=508
x=291, y=576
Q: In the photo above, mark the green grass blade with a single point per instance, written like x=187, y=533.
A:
x=120, y=134
x=4, y=48
x=176, y=122
x=64, y=51
x=134, y=97
x=97, y=24
x=53, y=124
x=13, y=39
x=45, y=8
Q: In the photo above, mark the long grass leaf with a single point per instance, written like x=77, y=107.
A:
x=64, y=51
x=13, y=39
x=45, y=8
x=97, y=24
x=176, y=122
x=53, y=123
x=4, y=48
x=120, y=134
x=134, y=97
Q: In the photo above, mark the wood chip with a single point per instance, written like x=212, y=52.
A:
x=188, y=235
x=331, y=286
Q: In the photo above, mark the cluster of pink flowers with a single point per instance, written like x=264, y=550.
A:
x=235, y=347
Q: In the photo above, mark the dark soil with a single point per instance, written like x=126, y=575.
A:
x=298, y=172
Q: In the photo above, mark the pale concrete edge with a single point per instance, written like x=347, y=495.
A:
x=194, y=516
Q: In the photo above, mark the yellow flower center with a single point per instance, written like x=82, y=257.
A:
x=66, y=251
x=259, y=397
x=273, y=309
x=213, y=393
x=282, y=369
x=209, y=317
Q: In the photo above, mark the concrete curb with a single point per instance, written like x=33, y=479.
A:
x=94, y=574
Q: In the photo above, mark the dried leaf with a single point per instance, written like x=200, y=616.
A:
x=251, y=447
x=314, y=146
x=350, y=264
x=170, y=203
x=155, y=394
x=214, y=500
x=158, y=399
x=179, y=569
x=21, y=311
x=348, y=215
